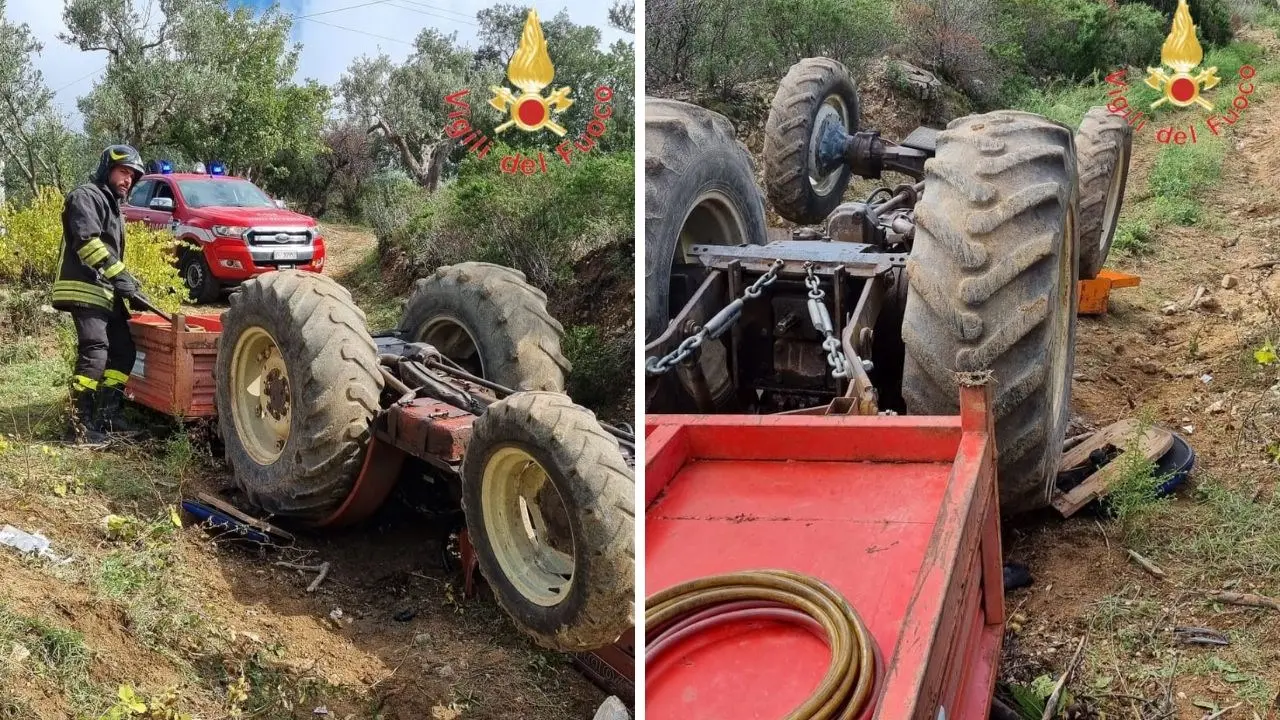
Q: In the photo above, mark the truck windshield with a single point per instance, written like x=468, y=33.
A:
x=223, y=193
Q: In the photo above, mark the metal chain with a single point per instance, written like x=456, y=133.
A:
x=716, y=326
x=822, y=323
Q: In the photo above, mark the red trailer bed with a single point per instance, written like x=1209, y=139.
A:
x=173, y=373
x=898, y=514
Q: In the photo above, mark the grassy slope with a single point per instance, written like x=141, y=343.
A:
x=1223, y=533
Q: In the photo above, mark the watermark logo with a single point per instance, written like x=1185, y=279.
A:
x=530, y=70
x=1182, y=53
x=1182, y=86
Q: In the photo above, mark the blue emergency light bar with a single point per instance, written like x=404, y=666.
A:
x=217, y=168
x=166, y=167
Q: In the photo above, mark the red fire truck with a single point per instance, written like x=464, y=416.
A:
x=230, y=230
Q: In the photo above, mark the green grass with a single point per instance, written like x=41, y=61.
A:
x=57, y=654
x=32, y=397
x=368, y=287
x=1134, y=235
x=1129, y=620
x=1181, y=172
x=138, y=575
x=1234, y=537
x=1065, y=103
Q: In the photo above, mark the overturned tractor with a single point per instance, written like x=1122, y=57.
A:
x=319, y=419
x=971, y=267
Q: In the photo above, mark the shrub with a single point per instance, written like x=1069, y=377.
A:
x=601, y=376
x=721, y=44
x=389, y=202
x=538, y=224
x=1134, y=36
x=32, y=241
x=1211, y=17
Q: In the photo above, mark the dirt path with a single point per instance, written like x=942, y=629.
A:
x=1192, y=371
x=346, y=247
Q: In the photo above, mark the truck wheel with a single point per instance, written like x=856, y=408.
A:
x=700, y=189
x=1103, y=145
x=992, y=286
x=490, y=321
x=549, y=502
x=815, y=94
x=298, y=385
x=202, y=286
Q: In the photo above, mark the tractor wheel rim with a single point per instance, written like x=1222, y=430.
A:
x=713, y=220
x=527, y=523
x=261, y=399
x=832, y=110
x=1061, y=332
x=454, y=340
x=1110, y=212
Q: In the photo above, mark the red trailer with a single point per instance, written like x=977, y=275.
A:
x=896, y=513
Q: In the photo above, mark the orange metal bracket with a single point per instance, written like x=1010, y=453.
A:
x=1095, y=293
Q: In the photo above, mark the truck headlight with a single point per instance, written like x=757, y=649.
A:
x=229, y=230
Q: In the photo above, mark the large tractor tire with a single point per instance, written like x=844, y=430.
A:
x=1104, y=143
x=814, y=94
x=550, y=505
x=298, y=386
x=490, y=321
x=700, y=189
x=993, y=287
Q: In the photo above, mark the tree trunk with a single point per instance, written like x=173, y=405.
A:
x=33, y=175
x=421, y=174
x=435, y=164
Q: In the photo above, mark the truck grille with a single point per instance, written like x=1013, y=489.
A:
x=279, y=237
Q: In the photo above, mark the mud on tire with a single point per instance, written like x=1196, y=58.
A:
x=594, y=486
x=1104, y=143
x=491, y=321
x=814, y=93
x=700, y=189
x=331, y=390
x=993, y=287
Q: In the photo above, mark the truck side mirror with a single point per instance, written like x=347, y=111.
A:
x=162, y=204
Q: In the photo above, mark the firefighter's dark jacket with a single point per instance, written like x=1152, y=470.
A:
x=92, y=249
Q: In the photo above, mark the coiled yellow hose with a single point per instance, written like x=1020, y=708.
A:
x=845, y=690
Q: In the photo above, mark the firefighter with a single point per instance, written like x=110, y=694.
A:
x=92, y=286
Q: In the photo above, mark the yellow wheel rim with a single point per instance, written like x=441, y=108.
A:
x=261, y=397
x=528, y=526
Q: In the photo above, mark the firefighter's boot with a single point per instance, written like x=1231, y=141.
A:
x=111, y=404
x=83, y=426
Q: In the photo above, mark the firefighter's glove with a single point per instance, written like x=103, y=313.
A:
x=124, y=285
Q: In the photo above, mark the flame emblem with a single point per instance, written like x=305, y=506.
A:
x=530, y=70
x=1182, y=52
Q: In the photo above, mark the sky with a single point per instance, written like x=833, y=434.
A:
x=383, y=26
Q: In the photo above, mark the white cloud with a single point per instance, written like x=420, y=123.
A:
x=326, y=51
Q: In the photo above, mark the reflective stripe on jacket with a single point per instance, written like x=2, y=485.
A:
x=92, y=249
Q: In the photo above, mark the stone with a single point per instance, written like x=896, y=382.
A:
x=1209, y=303
x=1229, y=281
